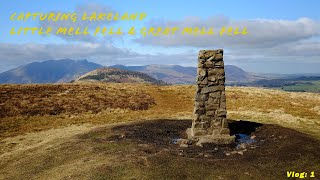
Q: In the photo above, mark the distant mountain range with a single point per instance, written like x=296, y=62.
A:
x=66, y=70
x=175, y=74
x=172, y=74
x=52, y=71
x=116, y=75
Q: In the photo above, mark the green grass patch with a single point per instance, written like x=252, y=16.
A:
x=304, y=86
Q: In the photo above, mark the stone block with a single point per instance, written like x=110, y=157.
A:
x=210, y=113
x=198, y=89
x=209, y=64
x=199, y=110
x=213, y=83
x=198, y=125
x=225, y=123
x=224, y=131
x=219, y=64
x=212, y=100
x=199, y=104
x=221, y=77
x=201, y=55
x=215, y=94
x=223, y=98
x=221, y=113
x=201, y=97
x=218, y=57
x=200, y=78
x=217, y=139
x=202, y=72
x=205, y=54
x=212, y=89
x=216, y=124
x=212, y=79
x=196, y=118
x=219, y=51
x=201, y=63
x=204, y=118
x=199, y=132
x=216, y=72
x=223, y=105
x=204, y=81
x=209, y=107
x=220, y=82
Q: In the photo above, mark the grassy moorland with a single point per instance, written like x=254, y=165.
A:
x=29, y=108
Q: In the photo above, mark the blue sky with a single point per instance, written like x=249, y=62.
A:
x=284, y=36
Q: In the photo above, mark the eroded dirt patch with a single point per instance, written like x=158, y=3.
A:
x=146, y=150
x=274, y=151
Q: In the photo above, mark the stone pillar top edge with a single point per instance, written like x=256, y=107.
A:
x=211, y=50
x=211, y=54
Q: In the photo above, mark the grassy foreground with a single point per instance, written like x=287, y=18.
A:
x=123, y=131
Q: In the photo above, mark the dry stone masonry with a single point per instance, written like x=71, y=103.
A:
x=210, y=124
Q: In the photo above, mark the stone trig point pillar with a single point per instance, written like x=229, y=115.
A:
x=209, y=124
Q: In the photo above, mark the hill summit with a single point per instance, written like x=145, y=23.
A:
x=118, y=76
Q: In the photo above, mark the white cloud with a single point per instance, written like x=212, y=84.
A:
x=262, y=33
x=269, y=41
x=13, y=55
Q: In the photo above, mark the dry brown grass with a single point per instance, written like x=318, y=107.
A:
x=295, y=110
x=289, y=109
x=31, y=100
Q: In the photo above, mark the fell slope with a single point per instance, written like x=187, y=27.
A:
x=52, y=71
x=175, y=74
